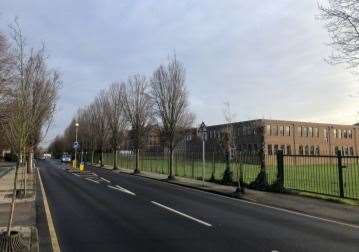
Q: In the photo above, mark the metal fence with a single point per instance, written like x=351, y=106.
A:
x=322, y=174
x=330, y=175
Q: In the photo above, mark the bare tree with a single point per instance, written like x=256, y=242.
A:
x=341, y=18
x=98, y=114
x=26, y=95
x=115, y=116
x=227, y=141
x=171, y=105
x=138, y=108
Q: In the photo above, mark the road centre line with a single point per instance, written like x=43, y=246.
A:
x=121, y=189
x=108, y=181
x=92, y=180
x=182, y=214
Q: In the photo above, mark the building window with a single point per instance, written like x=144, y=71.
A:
x=287, y=131
x=310, y=132
x=312, y=150
x=300, y=150
x=305, y=131
x=339, y=133
x=306, y=150
x=350, y=134
x=351, y=151
x=335, y=133
x=281, y=130
x=274, y=130
x=336, y=149
x=275, y=149
x=289, y=150
x=317, y=150
x=346, y=151
x=255, y=147
x=315, y=132
x=325, y=133
x=249, y=148
x=345, y=134
x=299, y=131
x=270, y=151
x=268, y=130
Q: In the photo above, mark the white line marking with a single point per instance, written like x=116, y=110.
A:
x=92, y=180
x=182, y=214
x=53, y=236
x=121, y=189
x=268, y=206
x=108, y=181
x=76, y=174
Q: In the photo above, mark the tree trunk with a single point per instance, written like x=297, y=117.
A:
x=115, y=159
x=92, y=156
x=171, y=173
x=137, y=169
x=101, y=159
x=30, y=158
x=11, y=216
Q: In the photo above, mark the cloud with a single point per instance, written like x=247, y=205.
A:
x=266, y=59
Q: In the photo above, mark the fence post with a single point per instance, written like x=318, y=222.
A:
x=280, y=170
x=340, y=174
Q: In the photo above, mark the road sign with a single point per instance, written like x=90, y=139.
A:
x=202, y=131
x=76, y=145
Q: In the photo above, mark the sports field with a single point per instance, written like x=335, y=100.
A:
x=319, y=178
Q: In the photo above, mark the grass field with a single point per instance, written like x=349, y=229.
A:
x=316, y=178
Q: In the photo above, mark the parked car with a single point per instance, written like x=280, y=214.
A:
x=66, y=158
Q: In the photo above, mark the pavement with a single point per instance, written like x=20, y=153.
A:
x=25, y=209
x=100, y=210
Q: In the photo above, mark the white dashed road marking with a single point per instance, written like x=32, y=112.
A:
x=92, y=180
x=108, y=181
x=182, y=214
x=119, y=188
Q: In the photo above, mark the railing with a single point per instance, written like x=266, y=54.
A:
x=323, y=174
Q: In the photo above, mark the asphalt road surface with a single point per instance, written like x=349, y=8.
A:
x=103, y=211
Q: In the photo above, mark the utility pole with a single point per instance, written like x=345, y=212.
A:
x=76, y=144
x=202, y=130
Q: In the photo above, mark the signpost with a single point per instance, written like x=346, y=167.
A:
x=202, y=131
x=76, y=145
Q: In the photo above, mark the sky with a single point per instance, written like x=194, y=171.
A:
x=266, y=58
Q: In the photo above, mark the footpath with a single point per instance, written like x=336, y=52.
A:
x=315, y=207
x=25, y=209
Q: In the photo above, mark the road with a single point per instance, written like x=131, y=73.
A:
x=104, y=211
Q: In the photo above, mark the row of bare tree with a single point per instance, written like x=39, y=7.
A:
x=28, y=94
x=131, y=109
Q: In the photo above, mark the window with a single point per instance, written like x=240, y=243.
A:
x=275, y=149
x=336, y=149
x=287, y=131
x=306, y=150
x=351, y=151
x=315, y=132
x=350, y=134
x=345, y=134
x=274, y=130
x=289, y=150
x=325, y=133
x=299, y=131
x=317, y=150
x=339, y=133
x=300, y=150
x=305, y=131
x=335, y=133
x=255, y=147
x=346, y=151
x=281, y=130
x=270, y=151
x=310, y=132
x=249, y=148
x=312, y=150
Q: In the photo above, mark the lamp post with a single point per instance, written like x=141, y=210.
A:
x=202, y=130
x=76, y=143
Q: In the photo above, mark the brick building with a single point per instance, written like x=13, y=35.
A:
x=293, y=137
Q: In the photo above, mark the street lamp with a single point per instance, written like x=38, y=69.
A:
x=76, y=143
x=202, y=130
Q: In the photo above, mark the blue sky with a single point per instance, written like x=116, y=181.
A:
x=265, y=57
